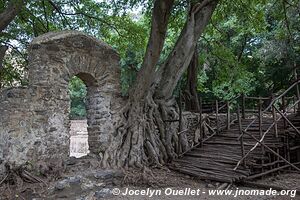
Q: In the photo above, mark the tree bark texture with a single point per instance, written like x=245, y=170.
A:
x=180, y=57
x=160, y=16
x=190, y=92
x=145, y=136
x=10, y=13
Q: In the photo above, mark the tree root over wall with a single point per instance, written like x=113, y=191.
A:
x=145, y=136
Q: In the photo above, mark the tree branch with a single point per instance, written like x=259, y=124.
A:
x=287, y=22
x=45, y=14
x=181, y=55
x=160, y=15
x=34, y=25
x=244, y=44
x=10, y=13
x=16, y=50
x=85, y=15
x=200, y=5
x=60, y=13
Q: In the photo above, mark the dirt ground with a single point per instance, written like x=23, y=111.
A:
x=162, y=182
x=169, y=180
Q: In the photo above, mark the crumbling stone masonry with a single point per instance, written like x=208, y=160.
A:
x=34, y=120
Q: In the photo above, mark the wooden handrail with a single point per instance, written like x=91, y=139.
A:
x=273, y=101
x=230, y=101
x=282, y=115
x=286, y=119
x=271, y=150
x=282, y=94
x=257, y=98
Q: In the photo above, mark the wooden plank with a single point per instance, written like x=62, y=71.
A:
x=225, y=171
x=211, y=156
x=208, y=172
x=202, y=176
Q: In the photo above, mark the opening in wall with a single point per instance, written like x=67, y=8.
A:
x=78, y=118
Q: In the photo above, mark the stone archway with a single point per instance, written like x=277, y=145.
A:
x=35, y=123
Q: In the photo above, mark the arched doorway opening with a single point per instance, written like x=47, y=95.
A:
x=78, y=117
x=55, y=58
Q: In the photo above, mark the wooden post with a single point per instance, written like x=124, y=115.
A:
x=278, y=164
x=297, y=87
x=275, y=122
x=283, y=111
x=241, y=134
x=288, y=121
x=274, y=118
x=228, y=115
x=260, y=130
x=260, y=116
x=288, y=148
x=217, y=116
x=275, y=131
x=243, y=106
x=285, y=147
x=272, y=151
x=294, y=100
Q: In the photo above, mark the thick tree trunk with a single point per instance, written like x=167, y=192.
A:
x=181, y=56
x=132, y=138
x=160, y=16
x=10, y=13
x=190, y=92
x=144, y=135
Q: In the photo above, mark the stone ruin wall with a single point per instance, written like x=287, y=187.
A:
x=34, y=120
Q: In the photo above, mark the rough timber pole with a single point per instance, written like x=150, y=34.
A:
x=217, y=116
x=297, y=87
x=274, y=119
x=260, y=130
x=243, y=106
x=283, y=111
x=242, y=134
x=228, y=115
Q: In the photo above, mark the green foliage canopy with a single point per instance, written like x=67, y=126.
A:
x=250, y=46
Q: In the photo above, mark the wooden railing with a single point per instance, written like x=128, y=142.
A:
x=215, y=130
x=219, y=108
x=271, y=108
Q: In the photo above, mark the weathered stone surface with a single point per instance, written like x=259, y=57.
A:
x=62, y=185
x=103, y=193
x=34, y=120
x=75, y=180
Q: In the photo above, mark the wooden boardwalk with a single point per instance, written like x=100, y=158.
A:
x=217, y=157
x=248, y=148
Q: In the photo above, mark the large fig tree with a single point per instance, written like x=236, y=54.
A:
x=145, y=135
